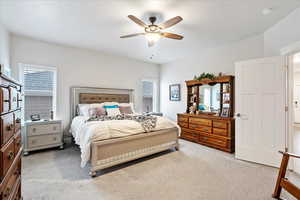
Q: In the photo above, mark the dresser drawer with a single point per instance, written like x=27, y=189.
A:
x=43, y=140
x=17, y=120
x=11, y=189
x=7, y=127
x=5, y=100
x=220, y=124
x=200, y=128
x=43, y=129
x=183, y=124
x=17, y=191
x=221, y=132
x=204, y=122
x=18, y=142
x=189, y=135
x=7, y=155
x=183, y=119
x=218, y=142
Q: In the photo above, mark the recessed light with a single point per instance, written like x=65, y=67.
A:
x=266, y=11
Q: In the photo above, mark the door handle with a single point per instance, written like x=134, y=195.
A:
x=243, y=117
x=238, y=115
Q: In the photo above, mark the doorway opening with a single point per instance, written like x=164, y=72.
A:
x=294, y=61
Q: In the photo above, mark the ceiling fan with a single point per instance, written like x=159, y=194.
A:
x=154, y=32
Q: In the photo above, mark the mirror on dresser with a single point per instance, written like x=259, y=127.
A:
x=209, y=98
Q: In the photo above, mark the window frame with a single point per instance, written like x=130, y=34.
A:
x=22, y=66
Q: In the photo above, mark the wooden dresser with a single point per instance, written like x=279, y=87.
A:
x=209, y=113
x=213, y=131
x=10, y=139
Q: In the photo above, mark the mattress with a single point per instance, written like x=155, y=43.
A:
x=85, y=133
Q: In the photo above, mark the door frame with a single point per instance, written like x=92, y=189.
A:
x=288, y=52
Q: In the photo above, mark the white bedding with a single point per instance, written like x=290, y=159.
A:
x=86, y=132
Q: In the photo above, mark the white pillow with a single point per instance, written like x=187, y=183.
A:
x=83, y=110
x=110, y=103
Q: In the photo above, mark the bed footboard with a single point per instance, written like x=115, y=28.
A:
x=111, y=152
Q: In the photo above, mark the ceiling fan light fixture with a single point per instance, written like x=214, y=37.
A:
x=153, y=37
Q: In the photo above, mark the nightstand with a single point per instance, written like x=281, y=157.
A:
x=42, y=135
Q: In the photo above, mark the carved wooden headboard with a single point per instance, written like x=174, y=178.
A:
x=87, y=95
x=100, y=98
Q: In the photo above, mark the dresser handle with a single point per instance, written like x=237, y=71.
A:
x=6, y=101
x=9, y=127
x=7, y=192
x=10, y=155
x=34, y=129
x=18, y=142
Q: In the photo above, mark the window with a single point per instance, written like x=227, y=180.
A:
x=39, y=90
x=149, y=95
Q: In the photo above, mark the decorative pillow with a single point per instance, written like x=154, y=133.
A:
x=112, y=110
x=127, y=105
x=97, y=111
x=125, y=109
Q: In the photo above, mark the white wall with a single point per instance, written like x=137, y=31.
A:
x=282, y=34
x=81, y=67
x=4, y=48
x=213, y=60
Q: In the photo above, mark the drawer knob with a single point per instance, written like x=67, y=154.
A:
x=34, y=129
x=54, y=139
x=7, y=192
x=9, y=127
x=10, y=155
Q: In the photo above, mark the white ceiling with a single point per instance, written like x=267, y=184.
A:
x=97, y=24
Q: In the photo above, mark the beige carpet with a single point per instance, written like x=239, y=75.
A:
x=193, y=173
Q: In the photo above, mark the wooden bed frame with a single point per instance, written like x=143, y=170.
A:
x=107, y=153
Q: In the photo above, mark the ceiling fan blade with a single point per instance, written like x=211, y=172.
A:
x=132, y=35
x=172, y=36
x=137, y=21
x=170, y=22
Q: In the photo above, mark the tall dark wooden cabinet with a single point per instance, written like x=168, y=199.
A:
x=10, y=139
x=209, y=114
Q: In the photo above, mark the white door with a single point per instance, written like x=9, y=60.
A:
x=260, y=110
x=296, y=102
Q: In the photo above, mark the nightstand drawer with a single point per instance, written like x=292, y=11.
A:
x=44, y=140
x=43, y=129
